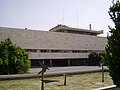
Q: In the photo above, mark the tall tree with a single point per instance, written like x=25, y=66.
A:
x=12, y=58
x=112, y=58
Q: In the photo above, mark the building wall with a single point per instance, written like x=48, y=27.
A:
x=58, y=55
x=35, y=41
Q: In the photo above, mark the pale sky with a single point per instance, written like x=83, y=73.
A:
x=45, y=14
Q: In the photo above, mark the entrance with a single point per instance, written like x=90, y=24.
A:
x=59, y=62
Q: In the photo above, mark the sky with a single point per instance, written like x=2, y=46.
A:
x=46, y=14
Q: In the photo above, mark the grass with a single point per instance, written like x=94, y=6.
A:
x=74, y=82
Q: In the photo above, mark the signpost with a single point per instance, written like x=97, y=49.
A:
x=44, y=68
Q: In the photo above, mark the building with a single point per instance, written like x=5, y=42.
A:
x=60, y=46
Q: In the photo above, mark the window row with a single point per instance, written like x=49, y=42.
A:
x=58, y=51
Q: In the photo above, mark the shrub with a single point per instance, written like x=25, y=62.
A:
x=12, y=58
x=94, y=58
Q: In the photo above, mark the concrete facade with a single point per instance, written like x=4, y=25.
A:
x=51, y=46
x=66, y=29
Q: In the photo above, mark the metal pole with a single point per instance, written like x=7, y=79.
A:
x=90, y=27
x=42, y=86
x=102, y=73
x=65, y=79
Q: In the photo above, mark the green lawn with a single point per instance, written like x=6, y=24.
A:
x=74, y=82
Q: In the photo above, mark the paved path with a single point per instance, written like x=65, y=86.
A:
x=67, y=69
x=54, y=71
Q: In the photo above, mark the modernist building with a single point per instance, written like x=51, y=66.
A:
x=60, y=46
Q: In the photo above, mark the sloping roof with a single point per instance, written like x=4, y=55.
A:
x=33, y=39
x=64, y=27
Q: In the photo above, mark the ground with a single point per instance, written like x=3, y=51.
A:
x=74, y=82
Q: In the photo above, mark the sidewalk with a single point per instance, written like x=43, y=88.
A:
x=67, y=69
x=54, y=71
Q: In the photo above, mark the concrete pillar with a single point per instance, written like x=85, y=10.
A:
x=84, y=62
x=51, y=63
x=69, y=62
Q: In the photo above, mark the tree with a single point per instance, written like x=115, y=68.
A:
x=12, y=58
x=112, y=55
x=94, y=58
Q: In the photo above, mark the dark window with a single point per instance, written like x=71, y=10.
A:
x=31, y=50
x=44, y=51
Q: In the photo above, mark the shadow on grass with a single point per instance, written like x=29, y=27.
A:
x=61, y=85
x=50, y=81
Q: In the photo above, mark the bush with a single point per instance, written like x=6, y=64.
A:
x=94, y=58
x=12, y=58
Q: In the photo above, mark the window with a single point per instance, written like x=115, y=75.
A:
x=31, y=50
x=58, y=51
x=44, y=51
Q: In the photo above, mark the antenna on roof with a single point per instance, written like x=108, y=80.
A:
x=77, y=19
x=90, y=27
x=62, y=16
